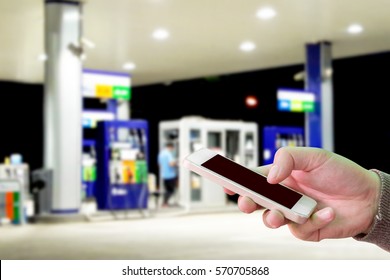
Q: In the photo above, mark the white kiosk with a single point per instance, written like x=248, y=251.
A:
x=235, y=139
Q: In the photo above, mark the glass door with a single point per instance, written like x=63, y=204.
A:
x=195, y=179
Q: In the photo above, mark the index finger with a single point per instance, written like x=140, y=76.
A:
x=288, y=159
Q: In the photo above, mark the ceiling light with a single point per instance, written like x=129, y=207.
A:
x=160, y=34
x=42, y=57
x=129, y=66
x=247, y=46
x=355, y=29
x=266, y=13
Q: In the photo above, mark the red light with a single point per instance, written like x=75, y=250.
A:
x=251, y=101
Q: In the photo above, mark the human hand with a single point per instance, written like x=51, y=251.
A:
x=347, y=194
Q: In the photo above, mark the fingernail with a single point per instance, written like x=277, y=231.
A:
x=273, y=172
x=325, y=214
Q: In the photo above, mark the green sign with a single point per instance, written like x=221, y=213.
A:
x=141, y=175
x=121, y=92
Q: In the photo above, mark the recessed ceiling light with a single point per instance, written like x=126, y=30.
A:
x=247, y=46
x=355, y=29
x=42, y=57
x=160, y=34
x=129, y=66
x=266, y=13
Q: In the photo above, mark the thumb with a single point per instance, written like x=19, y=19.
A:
x=322, y=217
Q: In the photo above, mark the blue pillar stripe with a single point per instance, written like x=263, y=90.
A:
x=64, y=211
x=313, y=84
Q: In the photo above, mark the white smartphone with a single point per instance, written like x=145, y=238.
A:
x=295, y=206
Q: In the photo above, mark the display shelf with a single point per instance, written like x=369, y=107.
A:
x=12, y=202
x=275, y=137
x=122, y=165
x=227, y=137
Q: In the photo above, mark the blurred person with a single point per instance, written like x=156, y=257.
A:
x=168, y=171
x=352, y=201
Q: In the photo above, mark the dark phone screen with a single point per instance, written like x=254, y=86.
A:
x=253, y=181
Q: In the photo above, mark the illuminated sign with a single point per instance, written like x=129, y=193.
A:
x=290, y=100
x=102, y=84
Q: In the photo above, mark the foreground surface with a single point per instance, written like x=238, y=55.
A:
x=226, y=235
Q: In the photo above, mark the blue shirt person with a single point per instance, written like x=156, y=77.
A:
x=168, y=171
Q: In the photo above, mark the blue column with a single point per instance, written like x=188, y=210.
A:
x=319, y=124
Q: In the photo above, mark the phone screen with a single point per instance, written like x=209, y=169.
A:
x=253, y=181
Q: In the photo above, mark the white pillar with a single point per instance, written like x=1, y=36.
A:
x=63, y=103
x=123, y=110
